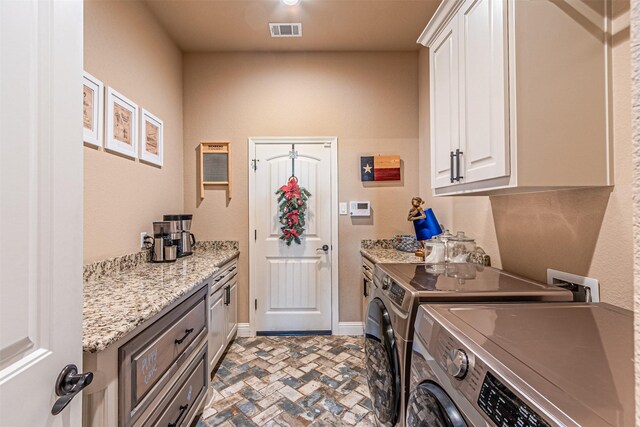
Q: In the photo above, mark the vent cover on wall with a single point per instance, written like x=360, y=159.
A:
x=286, y=29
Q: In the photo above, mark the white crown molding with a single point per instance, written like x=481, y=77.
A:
x=444, y=13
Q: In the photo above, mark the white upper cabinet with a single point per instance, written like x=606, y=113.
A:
x=519, y=96
x=483, y=92
x=444, y=98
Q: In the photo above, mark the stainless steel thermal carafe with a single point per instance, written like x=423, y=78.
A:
x=184, y=239
x=164, y=248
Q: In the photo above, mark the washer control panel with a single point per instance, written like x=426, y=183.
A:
x=396, y=293
x=504, y=408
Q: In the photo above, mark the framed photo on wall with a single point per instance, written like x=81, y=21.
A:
x=122, y=124
x=92, y=110
x=151, y=139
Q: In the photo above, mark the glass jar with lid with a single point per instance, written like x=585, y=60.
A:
x=434, y=251
x=459, y=247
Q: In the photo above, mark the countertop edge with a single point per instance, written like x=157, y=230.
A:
x=94, y=346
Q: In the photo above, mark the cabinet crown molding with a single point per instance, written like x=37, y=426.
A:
x=444, y=13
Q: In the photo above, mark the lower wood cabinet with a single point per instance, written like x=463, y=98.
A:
x=159, y=372
x=223, y=311
x=231, y=311
x=367, y=286
x=182, y=402
x=153, y=357
x=217, y=333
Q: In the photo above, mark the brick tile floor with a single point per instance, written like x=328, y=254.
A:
x=291, y=381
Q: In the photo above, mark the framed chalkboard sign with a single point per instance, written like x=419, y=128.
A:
x=215, y=165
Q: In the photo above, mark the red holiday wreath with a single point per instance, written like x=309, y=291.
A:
x=292, y=203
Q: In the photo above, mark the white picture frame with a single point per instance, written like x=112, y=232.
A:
x=122, y=124
x=93, y=110
x=151, y=139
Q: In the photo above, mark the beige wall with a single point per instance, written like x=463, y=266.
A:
x=126, y=49
x=635, y=110
x=586, y=232
x=368, y=100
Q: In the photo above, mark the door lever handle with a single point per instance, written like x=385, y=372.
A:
x=324, y=248
x=68, y=385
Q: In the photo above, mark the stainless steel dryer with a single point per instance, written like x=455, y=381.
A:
x=398, y=291
x=524, y=365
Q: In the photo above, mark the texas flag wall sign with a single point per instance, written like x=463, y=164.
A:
x=380, y=168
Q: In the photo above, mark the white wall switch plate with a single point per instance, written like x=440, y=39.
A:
x=343, y=208
x=555, y=277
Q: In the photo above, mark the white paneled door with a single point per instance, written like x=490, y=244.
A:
x=292, y=284
x=40, y=209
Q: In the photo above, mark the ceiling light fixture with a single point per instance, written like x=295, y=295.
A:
x=290, y=2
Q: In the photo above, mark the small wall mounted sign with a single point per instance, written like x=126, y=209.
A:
x=380, y=168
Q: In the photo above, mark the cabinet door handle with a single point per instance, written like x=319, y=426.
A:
x=183, y=408
x=364, y=288
x=451, y=156
x=187, y=332
x=458, y=155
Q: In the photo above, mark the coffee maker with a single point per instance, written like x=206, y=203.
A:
x=163, y=243
x=185, y=238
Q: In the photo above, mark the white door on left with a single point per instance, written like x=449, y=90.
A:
x=40, y=208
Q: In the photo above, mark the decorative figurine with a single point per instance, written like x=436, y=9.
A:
x=425, y=224
x=418, y=217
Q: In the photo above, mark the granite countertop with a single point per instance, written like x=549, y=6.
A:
x=117, y=301
x=389, y=256
x=382, y=251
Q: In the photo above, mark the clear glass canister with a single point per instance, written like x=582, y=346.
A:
x=459, y=247
x=434, y=251
x=444, y=238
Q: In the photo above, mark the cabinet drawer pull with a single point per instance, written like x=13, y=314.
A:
x=451, y=156
x=183, y=408
x=458, y=155
x=186, y=334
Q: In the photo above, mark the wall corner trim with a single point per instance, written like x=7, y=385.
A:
x=349, y=328
x=244, y=330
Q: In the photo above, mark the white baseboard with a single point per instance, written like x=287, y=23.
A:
x=344, y=328
x=244, y=330
x=349, y=328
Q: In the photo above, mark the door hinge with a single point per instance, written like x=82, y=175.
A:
x=254, y=164
x=255, y=303
x=255, y=234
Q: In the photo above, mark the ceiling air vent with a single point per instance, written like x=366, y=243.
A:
x=286, y=29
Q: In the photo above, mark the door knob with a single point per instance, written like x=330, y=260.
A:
x=324, y=248
x=68, y=385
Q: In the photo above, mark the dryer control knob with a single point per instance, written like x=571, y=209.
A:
x=457, y=363
x=386, y=283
